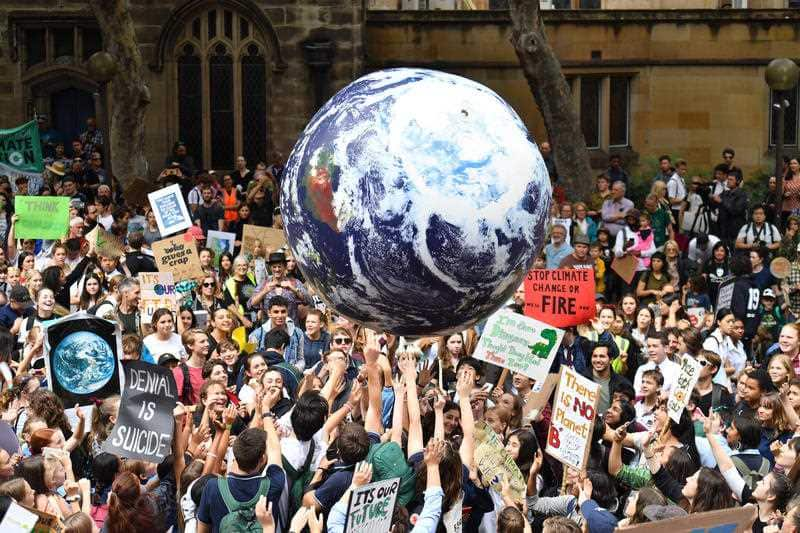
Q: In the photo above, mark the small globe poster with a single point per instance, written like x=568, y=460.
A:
x=82, y=359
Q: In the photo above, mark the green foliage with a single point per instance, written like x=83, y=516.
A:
x=756, y=185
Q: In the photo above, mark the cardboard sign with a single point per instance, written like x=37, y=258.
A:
x=104, y=243
x=157, y=290
x=495, y=464
x=540, y=393
x=41, y=217
x=144, y=426
x=82, y=358
x=270, y=238
x=561, y=298
x=170, y=210
x=371, y=507
x=682, y=391
x=725, y=295
x=733, y=520
x=572, y=421
x=179, y=257
x=519, y=343
x=625, y=267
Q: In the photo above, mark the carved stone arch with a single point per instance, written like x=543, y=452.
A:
x=180, y=16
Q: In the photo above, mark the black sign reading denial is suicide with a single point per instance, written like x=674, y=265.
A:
x=145, y=423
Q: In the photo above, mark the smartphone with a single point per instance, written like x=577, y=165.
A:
x=487, y=387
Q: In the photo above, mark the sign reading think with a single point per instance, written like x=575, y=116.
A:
x=682, y=391
x=561, y=298
x=157, y=290
x=519, y=343
x=270, y=238
x=41, y=217
x=21, y=150
x=495, y=464
x=144, y=427
x=572, y=422
x=371, y=507
x=179, y=257
x=734, y=520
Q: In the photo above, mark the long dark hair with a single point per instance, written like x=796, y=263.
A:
x=128, y=508
x=715, y=494
x=451, y=474
x=51, y=278
x=528, y=446
x=86, y=298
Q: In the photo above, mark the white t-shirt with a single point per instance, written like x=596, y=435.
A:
x=294, y=450
x=691, y=222
x=669, y=369
x=767, y=233
x=676, y=188
x=157, y=347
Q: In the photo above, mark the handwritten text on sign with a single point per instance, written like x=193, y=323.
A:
x=519, y=343
x=371, y=506
x=562, y=297
x=682, y=391
x=573, y=417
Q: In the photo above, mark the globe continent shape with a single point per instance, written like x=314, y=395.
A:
x=83, y=362
x=415, y=201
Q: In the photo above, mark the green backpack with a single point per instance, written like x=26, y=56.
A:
x=241, y=517
x=388, y=461
x=298, y=480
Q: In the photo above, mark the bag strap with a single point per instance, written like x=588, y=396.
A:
x=232, y=503
x=187, y=389
x=716, y=395
x=740, y=466
x=310, y=456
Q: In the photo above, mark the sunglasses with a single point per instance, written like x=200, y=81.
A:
x=342, y=341
x=702, y=362
x=208, y=284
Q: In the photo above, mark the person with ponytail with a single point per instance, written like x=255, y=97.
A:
x=129, y=509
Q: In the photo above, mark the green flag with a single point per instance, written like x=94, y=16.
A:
x=21, y=150
x=41, y=217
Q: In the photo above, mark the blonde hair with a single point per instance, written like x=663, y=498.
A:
x=659, y=189
x=786, y=362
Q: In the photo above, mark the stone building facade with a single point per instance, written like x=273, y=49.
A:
x=250, y=73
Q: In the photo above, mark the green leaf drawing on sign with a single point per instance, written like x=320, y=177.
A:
x=542, y=349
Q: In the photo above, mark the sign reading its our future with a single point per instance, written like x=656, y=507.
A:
x=20, y=150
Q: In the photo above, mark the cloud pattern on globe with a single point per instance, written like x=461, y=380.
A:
x=83, y=362
x=415, y=201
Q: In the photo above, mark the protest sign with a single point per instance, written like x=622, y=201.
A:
x=41, y=217
x=696, y=316
x=144, y=426
x=170, y=210
x=682, y=391
x=18, y=519
x=270, y=238
x=82, y=360
x=733, y=520
x=572, y=421
x=540, y=393
x=561, y=298
x=453, y=519
x=625, y=267
x=371, y=507
x=567, y=223
x=104, y=243
x=21, y=151
x=519, y=343
x=157, y=290
x=220, y=242
x=179, y=257
x=725, y=295
x=495, y=464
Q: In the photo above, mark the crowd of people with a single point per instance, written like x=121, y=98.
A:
x=274, y=432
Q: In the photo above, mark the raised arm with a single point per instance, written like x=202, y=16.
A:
x=615, y=456
x=273, y=443
x=438, y=410
x=372, y=420
x=464, y=387
x=415, y=444
x=77, y=436
x=398, y=410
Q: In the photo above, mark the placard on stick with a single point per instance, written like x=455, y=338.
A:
x=562, y=298
x=270, y=238
x=179, y=257
x=495, y=464
x=371, y=507
x=733, y=520
x=519, y=343
x=572, y=420
x=170, y=210
x=145, y=424
x=682, y=391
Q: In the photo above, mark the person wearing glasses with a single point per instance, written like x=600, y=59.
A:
x=279, y=284
x=206, y=298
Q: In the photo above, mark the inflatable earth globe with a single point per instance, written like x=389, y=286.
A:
x=83, y=362
x=415, y=201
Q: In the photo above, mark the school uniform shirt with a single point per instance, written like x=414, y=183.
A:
x=727, y=351
x=669, y=369
x=212, y=508
x=767, y=233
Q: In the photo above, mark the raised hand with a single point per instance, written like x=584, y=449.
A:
x=434, y=452
x=362, y=474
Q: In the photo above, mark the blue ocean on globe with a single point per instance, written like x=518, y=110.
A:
x=415, y=201
x=83, y=362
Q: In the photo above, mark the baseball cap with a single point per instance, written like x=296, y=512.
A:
x=167, y=358
x=20, y=295
x=768, y=293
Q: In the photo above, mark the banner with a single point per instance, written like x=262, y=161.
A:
x=41, y=217
x=682, y=391
x=157, y=290
x=270, y=238
x=561, y=298
x=572, y=421
x=725, y=295
x=170, y=210
x=82, y=358
x=104, y=243
x=145, y=422
x=21, y=151
x=179, y=257
x=519, y=343
x=371, y=507
x=495, y=464
x=733, y=520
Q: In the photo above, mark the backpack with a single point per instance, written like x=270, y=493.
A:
x=751, y=477
x=388, y=462
x=241, y=517
x=298, y=480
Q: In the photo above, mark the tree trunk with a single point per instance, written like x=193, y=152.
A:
x=551, y=92
x=129, y=92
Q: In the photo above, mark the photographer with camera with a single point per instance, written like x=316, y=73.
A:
x=758, y=232
x=694, y=213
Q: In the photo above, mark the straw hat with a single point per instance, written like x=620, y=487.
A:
x=57, y=168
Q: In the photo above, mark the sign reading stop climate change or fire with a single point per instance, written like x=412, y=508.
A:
x=572, y=422
x=560, y=298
